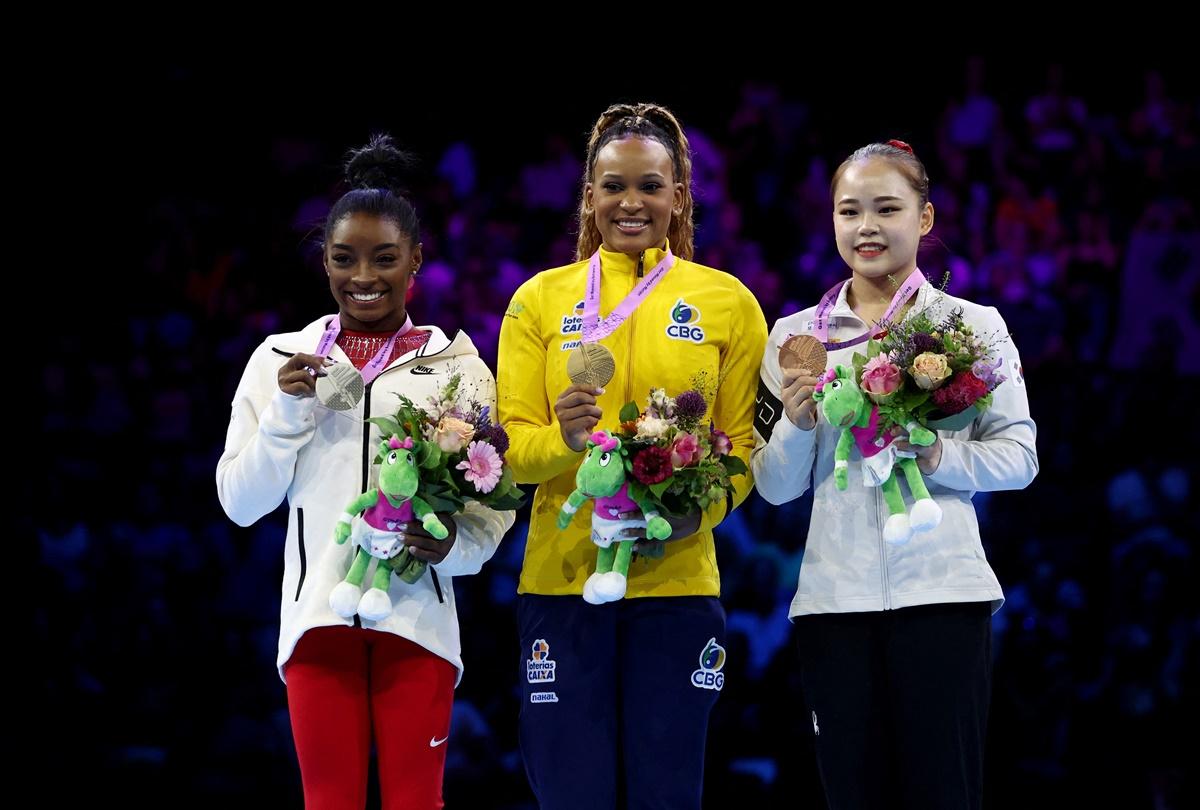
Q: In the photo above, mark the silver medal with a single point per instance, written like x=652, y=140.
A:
x=341, y=388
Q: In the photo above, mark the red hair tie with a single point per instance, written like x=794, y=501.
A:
x=901, y=145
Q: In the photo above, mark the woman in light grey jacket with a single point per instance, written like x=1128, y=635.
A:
x=894, y=639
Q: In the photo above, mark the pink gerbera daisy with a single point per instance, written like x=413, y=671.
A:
x=483, y=466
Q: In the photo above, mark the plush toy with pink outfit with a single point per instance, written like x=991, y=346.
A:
x=602, y=477
x=845, y=406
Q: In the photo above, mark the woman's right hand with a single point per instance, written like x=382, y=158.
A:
x=578, y=414
x=798, y=404
x=298, y=376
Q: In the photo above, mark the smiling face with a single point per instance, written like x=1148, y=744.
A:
x=633, y=194
x=371, y=264
x=878, y=220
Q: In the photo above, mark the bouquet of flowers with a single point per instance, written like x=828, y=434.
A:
x=432, y=460
x=458, y=450
x=937, y=373
x=675, y=461
x=661, y=461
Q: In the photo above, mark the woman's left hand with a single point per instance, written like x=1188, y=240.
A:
x=928, y=458
x=424, y=546
x=681, y=527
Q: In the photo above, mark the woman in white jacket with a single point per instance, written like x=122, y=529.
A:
x=894, y=639
x=349, y=677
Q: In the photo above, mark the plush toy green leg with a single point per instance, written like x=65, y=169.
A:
x=375, y=603
x=359, y=568
x=892, y=496
x=605, y=557
x=382, y=578
x=897, y=529
x=912, y=473
x=343, y=599
x=407, y=567
x=926, y=514
x=604, y=563
x=612, y=569
x=624, y=553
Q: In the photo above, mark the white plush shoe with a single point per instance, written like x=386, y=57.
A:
x=375, y=605
x=897, y=530
x=925, y=515
x=344, y=599
x=589, y=590
x=610, y=587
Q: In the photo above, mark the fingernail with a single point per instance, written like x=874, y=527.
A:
x=599, y=391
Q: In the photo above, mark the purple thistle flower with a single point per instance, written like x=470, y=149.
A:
x=690, y=407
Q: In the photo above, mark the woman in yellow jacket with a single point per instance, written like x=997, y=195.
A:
x=617, y=696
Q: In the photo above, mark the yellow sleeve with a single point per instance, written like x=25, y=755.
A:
x=733, y=412
x=536, y=449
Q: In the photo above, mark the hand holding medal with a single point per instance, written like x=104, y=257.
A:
x=801, y=359
x=340, y=386
x=298, y=376
x=591, y=367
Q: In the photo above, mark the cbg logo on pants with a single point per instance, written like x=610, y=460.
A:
x=712, y=658
x=539, y=668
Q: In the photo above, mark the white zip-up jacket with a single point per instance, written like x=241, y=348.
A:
x=847, y=566
x=282, y=446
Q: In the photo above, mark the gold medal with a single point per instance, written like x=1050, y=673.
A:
x=591, y=364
